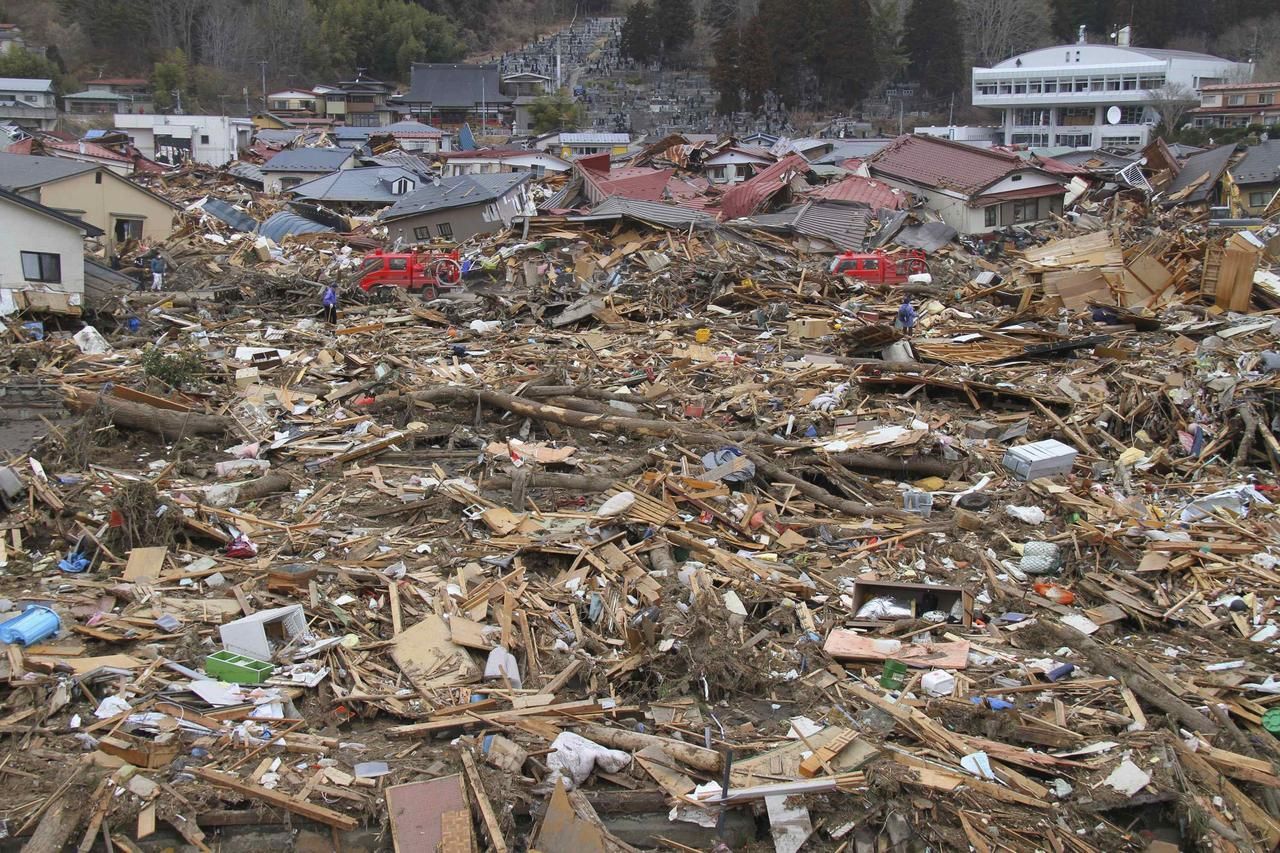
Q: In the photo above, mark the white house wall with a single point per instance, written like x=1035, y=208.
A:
x=24, y=230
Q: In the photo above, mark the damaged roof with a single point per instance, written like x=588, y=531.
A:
x=856, y=189
x=749, y=196
x=367, y=185
x=1261, y=164
x=308, y=160
x=1203, y=171
x=460, y=191
x=945, y=165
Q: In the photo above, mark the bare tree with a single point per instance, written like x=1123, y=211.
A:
x=175, y=23
x=228, y=38
x=999, y=29
x=1172, y=101
x=1256, y=39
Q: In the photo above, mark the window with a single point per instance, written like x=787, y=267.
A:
x=204, y=139
x=1258, y=199
x=128, y=229
x=97, y=177
x=1121, y=141
x=1026, y=211
x=1050, y=86
x=1031, y=118
x=1129, y=84
x=423, y=233
x=289, y=183
x=399, y=264
x=42, y=266
x=989, y=216
x=1131, y=115
x=401, y=186
x=1033, y=140
x=1236, y=100
x=1077, y=116
x=1265, y=98
x=871, y=264
x=1151, y=81
x=1074, y=140
x=445, y=230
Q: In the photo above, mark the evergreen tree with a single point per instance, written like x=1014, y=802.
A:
x=726, y=73
x=845, y=80
x=935, y=45
x=640, y=38
x=674, y=23
x=755, y=62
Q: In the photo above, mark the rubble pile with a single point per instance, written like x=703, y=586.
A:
x=655, y=537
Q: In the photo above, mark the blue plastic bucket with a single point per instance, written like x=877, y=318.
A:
x=35, y=624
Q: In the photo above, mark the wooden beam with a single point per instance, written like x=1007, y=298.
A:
x=320, y=814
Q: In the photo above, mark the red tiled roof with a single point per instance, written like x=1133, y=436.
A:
x=23, y=147
x=1058, y=167
x=88, y=149
x=637, y=183
x=749, y=196
x=943, y=164
x=875, y=194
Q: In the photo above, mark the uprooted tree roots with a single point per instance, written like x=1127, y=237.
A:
x=146, y=520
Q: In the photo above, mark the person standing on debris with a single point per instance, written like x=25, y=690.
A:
x=158, y=269
x=906, y=316
x=330, y=301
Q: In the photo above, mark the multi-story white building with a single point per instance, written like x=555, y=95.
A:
x=1093, y=95
x=212, y=140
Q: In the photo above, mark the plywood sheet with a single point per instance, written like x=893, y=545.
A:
x=417, y=813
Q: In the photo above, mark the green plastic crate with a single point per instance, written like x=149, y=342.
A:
x=237, y=669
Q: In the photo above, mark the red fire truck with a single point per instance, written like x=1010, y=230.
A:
x=879, y=267
x=427, y=273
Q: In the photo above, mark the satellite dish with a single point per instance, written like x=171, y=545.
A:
x=1113, y=115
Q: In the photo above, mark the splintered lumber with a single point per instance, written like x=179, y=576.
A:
x=697, y=757
x=492, y=828
x=55, y=828
x=140, y=416
x=470, y=718
x=1111, y=661
x=645, y=426
x=320, y=814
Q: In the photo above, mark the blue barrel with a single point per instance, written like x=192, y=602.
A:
x=35, y=624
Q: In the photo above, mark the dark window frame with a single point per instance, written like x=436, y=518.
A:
x=48, y=267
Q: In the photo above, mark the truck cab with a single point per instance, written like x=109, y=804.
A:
x=879, y=267
x=426, y=273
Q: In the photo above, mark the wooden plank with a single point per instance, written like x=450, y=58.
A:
x=492, y=828
x=320, y=814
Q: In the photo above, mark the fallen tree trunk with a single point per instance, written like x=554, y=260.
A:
x=661, y=429
x=697, y=757
x=228, y=494
x=1110, y=661
x=169, y=425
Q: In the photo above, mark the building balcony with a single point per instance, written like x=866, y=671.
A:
x=1048, y=99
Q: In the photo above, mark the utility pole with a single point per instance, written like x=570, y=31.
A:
x=263, y=65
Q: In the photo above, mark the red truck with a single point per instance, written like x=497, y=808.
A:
x=879, y=267
x=427, y=273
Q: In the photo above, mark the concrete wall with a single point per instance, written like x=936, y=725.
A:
x=465, y=221
x=103, y=202
x=24, y=230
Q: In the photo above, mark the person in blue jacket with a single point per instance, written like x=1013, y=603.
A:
x=906, y=316
x=330, y=302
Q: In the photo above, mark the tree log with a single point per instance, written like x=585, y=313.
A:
x=697, y=757
x=1113, y=662
x=229, y=494
x=169, y=425
x=662, y=429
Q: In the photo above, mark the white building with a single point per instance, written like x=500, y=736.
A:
x=41, y=256
x=1092, y=95
x=28, y=103
x=212, y=140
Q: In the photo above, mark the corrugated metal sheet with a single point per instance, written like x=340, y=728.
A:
x=246, y=172
x=940, y=163
x=655, y=213
x=285, y=224
x=226, y=212
x=748, y=197
x=855, y=189
x=843, y=225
